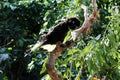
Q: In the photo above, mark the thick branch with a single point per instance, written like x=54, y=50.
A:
x=60, y=48
x=50, y=68
x=86, y=27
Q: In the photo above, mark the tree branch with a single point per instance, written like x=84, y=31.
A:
x=89, y=20
x=60, y=48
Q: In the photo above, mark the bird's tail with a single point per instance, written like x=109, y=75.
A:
x=36, y=46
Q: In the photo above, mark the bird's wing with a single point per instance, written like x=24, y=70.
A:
x=41, y=40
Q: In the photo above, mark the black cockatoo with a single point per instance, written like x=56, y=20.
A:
x=56, y=33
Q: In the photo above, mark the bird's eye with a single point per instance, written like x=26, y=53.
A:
x=73, y=22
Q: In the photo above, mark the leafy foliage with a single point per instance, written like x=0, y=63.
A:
x=97, y=55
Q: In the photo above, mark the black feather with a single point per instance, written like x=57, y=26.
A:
x=56, y=33
x=59, y=32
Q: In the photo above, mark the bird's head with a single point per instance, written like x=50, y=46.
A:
x=73, y=22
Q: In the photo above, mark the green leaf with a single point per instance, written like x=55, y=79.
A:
x=67, y=37
x=20, y=43
x=77, y=64
x=30, y=66
x=9, y=48
x=44, y=66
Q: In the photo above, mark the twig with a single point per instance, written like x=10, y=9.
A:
x=7, y=43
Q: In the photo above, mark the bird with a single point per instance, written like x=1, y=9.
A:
x=55, y=34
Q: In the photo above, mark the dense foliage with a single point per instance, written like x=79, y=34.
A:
x=97, y=55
